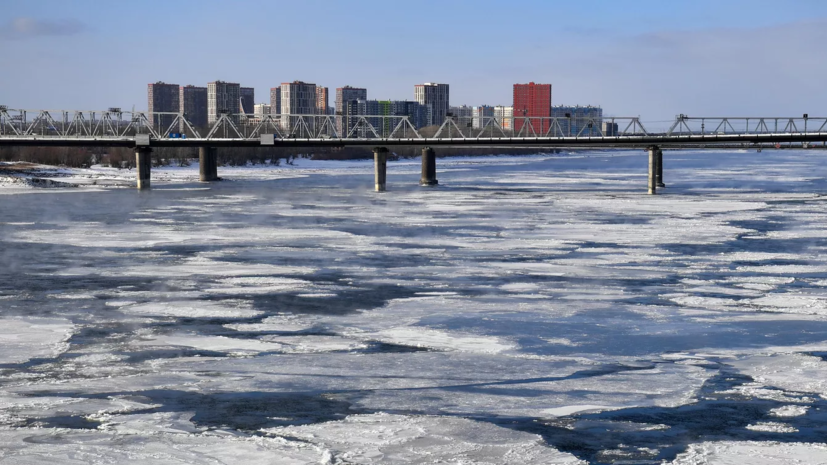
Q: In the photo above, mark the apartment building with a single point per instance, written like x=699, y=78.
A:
x=297, y=98
x=193, y=105
x=248, y=100
x=162, y=98
x=532, y=101
x=436, y=97
x=222, y=97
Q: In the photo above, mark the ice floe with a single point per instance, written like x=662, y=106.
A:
x=23, y=339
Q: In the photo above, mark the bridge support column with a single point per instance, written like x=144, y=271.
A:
x=653, y=170
x=659, y=174
x=428, y=168
x=208, y=163
x=143, y=162
x=380, y=167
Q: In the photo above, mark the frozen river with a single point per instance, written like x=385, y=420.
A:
x=528, y=310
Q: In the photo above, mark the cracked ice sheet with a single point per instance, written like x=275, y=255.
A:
x=155, y=235
x=192, y=309
x=790, y=372
x=385, y=438
x=74, y=447
x=406, y=322
x=752, y=453
x=455, y=382
x=230, y=345
x=244, y=347
x=188, y=268
x=18, y=408
x=23, y=339
x=439, y=340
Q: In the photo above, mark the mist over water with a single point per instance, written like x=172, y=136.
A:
x=537, y=309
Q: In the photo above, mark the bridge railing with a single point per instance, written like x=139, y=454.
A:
x=532, y=127
x=710, y=126
x=78, y=123
x=115, y=123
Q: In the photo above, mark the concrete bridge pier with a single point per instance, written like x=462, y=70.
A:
x=143, y=162
x=380, y=167
x=653, y=170
x=428, y=168
x=208, y=163
x=659, y=174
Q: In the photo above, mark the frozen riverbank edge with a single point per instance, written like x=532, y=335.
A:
x=530, y=310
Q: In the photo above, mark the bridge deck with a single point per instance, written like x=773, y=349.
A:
x=551, y=142
x=113, y=127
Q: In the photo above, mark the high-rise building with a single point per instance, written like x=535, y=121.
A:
x=297, y=98
x=248, y=100
x=344, y=120
x=347, y=121
x=374, y=110
x=261, y=109
x=193, y=106
x=275, y=100
x=482, y=115
x=504, y=116
x=321, y=100
x=435, y=96
x=162, y=98
x=462, y=111
x=347, y=93
x=222, y=97
x=463, y=116
x=415, y=112
x=577, y=120
x=532, y=101
x=353, y=113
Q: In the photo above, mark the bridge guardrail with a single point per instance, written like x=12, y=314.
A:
x=114, y=123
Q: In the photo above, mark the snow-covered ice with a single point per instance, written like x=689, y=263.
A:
x=22, y=339
x=535, y=309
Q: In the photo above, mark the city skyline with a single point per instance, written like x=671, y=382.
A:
x=646, y=59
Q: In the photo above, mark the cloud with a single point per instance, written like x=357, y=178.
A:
x=23, y=28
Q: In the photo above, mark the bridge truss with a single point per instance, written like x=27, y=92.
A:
x=133, y=128
x=722, y=125
x=117, y=124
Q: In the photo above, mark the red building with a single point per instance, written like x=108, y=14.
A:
x=532, y=100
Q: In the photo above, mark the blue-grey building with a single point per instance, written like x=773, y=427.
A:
x=577, y=120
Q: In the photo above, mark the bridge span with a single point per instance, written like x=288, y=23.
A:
x=143, y=131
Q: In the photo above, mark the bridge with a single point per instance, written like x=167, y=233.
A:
x=143, y=131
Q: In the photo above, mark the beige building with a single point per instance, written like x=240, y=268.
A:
x=297, y=98
x=504, y=116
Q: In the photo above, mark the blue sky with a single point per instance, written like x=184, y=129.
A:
x=648, y=58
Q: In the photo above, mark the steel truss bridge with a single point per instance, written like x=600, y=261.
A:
x=114, y=127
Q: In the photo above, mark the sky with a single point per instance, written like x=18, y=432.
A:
x=647, y=58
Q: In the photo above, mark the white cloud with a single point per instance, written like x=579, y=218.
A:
x=21, y=28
